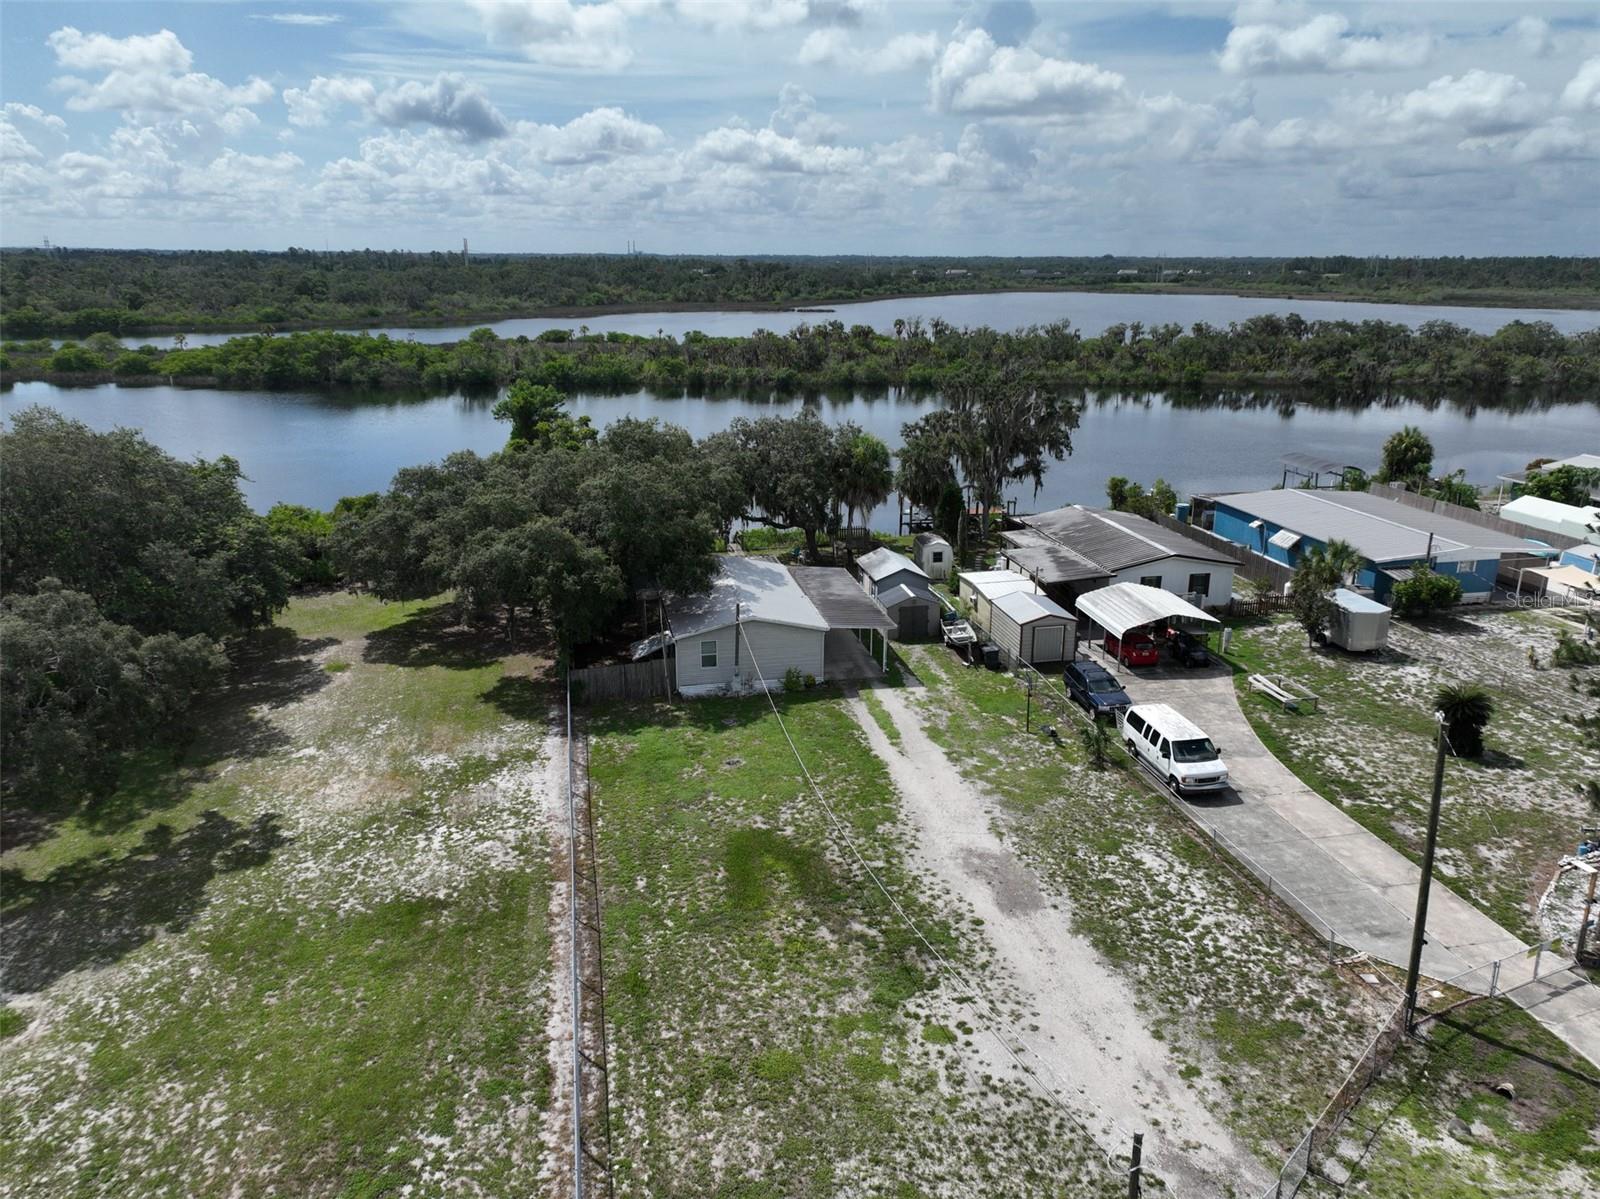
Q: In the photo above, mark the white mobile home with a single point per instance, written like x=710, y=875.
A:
x=1032, y=628
x=752, y=626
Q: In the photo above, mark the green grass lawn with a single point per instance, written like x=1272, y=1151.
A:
x=1243, y=994
x=1506, y=820
x=1541, y=1142
x=776, y=1030
x=310, y=957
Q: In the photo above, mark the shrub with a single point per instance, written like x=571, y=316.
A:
x=794, y=679
x=1425, y=592
x=1467, y=709
x=1571, y=652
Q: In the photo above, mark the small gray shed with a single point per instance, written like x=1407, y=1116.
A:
x=933, y=553
x=883, y=569
x=914, y=609
x=1032, y=628
x=1359, y=624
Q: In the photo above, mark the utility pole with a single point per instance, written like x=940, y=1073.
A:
x=1136, y=1170
x=1420, y=924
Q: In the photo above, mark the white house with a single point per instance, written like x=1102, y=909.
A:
x=753, y=625
x=1549, y=516
x=1131, y=549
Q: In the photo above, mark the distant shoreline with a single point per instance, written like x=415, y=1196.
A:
x=838, y=308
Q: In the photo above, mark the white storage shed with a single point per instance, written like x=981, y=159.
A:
x=1033, y=628
x=933, y=553
x=1359, y=624
x=884, y=568
x=1548, y=516
x=978, y=589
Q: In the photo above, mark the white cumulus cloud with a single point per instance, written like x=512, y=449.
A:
x=145, y=74
x=1322, y=43
x=975, y=76
x=1583, y=92
x=834, y=47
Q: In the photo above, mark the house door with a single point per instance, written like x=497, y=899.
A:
x=913, y=622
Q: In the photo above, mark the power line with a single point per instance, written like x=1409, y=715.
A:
x=843, y=834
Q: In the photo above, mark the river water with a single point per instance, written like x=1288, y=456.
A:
x=1090, y=312
x=311, y=448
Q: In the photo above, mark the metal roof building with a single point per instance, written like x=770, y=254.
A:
x=1116, y=541
x=1580, y=524
x=1380, y=529
x=1124, y=606
x=840, y=601
x=883, y=562
x=745, y=589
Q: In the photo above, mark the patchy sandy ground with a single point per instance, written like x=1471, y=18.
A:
x=1091, y=1042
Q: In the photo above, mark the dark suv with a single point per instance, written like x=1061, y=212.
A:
x=1188, y=649
x=1093, y=686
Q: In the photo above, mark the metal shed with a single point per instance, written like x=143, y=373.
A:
x=1359, y=624
x=1032, y=628
x=914, y=611
x=933, y=553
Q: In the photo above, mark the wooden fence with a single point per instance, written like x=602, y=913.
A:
x=1247, y=565
x=628, y=680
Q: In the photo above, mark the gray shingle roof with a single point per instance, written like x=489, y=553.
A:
x=883, y=562
x=1048, y=562
x=1382, y=530
x=1118, y=540
x=840, y=599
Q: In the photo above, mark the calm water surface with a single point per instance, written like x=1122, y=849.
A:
x=1091, y=312
x=312, y=449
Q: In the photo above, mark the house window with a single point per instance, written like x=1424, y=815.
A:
x=1466, y=568
x=708, y=655
x=1200, y=584
x=1151, y=581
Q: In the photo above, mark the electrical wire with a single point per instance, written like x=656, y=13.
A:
x=1054, y=1096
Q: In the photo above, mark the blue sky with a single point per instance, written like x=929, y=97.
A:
x=805, y=126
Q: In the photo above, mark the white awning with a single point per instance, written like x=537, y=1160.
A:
x=1124, y=606
x=1284, y=539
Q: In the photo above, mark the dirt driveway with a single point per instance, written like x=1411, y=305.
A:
x=1090, y=1036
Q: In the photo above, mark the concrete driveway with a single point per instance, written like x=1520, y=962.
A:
x=1338, y=875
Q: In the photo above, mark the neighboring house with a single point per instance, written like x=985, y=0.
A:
x=1580, y=461
x=933, y=554
x=781, y=629
x=1033, y=628
x=1585, y=557
x=1548, y=516
x=1390, y=537
x=1104, y=547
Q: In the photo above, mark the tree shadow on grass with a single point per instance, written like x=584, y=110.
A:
x=523, y=698
x=95, y=910
x=269, y=669
x=430, y=637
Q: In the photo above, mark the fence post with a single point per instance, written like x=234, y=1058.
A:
x=1137, y=1169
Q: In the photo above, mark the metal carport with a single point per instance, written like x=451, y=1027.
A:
x=842, y=603
x=1124, y=606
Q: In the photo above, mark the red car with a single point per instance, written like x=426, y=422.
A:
x=1136, y=647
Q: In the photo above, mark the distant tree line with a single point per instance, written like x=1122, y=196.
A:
x=1343, y=360
x=60, y=293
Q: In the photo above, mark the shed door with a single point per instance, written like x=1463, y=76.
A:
x=913, y=622
x=1047, y=642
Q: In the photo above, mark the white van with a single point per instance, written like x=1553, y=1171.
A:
x=1169, y=744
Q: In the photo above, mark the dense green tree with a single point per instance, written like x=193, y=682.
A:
x=162, y=545
x=308, y=531
x=538, y=416
x=1564, y=485
x=1407, y=457
x=789, y=469
x=866, y=477
x=77, y=690
x=1424, y=592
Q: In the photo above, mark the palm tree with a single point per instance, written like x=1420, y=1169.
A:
x=865, y=478
x=1467, y=709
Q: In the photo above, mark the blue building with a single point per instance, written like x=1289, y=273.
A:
x=1391, y=537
